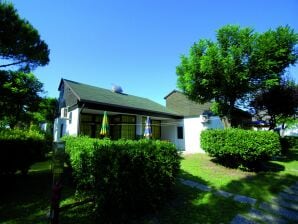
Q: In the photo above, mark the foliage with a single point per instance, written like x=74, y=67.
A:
x=239, y=63
x=26, y=200
x=19, y=95
x=279, y=103
x=20, y=149
x=237, y=147
x=46, y=110
x=113, y=171
x=288, y=142
x=20, y=43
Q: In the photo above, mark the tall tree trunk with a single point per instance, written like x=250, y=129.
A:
x=272, y=122
x=226, y=122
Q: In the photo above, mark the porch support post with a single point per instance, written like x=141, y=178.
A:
x=139, y=128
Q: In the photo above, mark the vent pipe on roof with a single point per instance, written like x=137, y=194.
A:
x=117, y=89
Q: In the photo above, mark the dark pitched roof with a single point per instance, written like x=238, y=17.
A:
x=178, y=101
x=96, y=95
x=174, y=91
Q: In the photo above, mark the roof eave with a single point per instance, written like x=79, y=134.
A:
x=121, y=107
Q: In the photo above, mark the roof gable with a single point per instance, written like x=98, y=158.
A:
x=96, y=95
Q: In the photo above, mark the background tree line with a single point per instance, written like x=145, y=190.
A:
x=243, y=69
x=21, y=51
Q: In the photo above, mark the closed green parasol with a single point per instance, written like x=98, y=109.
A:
x=105, y=125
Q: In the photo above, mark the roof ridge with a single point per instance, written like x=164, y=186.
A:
x=91, y=93
x=127, y=94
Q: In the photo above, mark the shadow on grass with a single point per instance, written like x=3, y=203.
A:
x=263, y=186
x=253, y=167
x=25, y=199
x=288, y=156
x=191, y=205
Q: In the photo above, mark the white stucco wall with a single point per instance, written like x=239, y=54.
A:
x=72, y=124
x=139, y=129
x=69, y=126
x=58, y=123
x=169, y=132
x=292, y=131
x=193, y=128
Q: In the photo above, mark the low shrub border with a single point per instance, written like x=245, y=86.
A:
x=288, y=142
x=20, y=149
x=237, y=147
x=126, y=178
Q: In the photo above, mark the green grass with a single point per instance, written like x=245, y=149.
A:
x=261, y=185
x=27, y=199
x=193, y=206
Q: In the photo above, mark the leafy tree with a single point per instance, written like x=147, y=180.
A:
x=46, y=111
x=21, y=46
x=20, y=43
x=238, y=64
x=278, y=103
x=19, y=94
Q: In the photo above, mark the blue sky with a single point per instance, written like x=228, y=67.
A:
x=137, y=44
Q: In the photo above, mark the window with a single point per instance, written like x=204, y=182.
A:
x=128, y=127
x=90, y=125
x=128, y=131
x=61, y=131
x=65, y=112
x=155, y=127
x=180, y=132
x=70, y=117
x=156, y=130
x=123, y=126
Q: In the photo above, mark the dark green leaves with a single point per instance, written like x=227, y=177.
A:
x=238, y=64
x=20, y=43
x=126, y=178
x=236, y=147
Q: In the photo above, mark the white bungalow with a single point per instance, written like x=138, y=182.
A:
x=82, y=107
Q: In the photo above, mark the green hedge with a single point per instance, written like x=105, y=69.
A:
x=237, y=147
x=289, y=142
x=125, y=177
x=19, y=149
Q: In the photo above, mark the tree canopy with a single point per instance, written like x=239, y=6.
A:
x=20, y=94
x=20, y=47
x=20, y=43
x=277, y=103
x=46, y=111
x=239, y=63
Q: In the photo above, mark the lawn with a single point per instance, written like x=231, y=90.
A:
x=263, y=186
x=27, y=199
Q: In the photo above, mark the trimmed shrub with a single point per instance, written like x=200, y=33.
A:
x=126, y=178
x=237, y=147
x=288, y=142
x=19, y=149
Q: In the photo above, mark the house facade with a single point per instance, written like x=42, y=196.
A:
x=196, y=118
x=82, y=106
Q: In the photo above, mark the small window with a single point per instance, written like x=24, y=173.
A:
x=61, y=131
x=180, y=132
x=65, y=112
x=70, y=117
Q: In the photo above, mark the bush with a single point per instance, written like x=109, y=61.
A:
x=19, y=149
x=125, y=177
x=288, y=142
x=238, y=147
